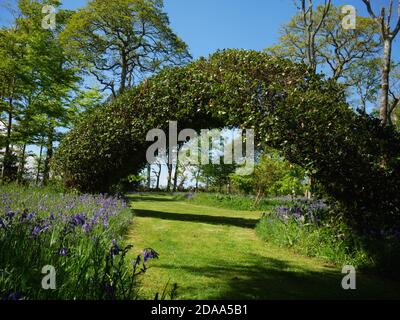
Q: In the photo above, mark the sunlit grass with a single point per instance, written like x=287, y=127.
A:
x=214, y=253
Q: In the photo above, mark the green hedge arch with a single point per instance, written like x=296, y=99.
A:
x=354, y=159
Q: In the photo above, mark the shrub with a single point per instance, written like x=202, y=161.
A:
x=310, y=229
x=225, y=89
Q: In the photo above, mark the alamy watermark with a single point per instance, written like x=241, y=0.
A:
x=201, y=149
x=49, y=280
x=349, y=280
x=49, y=20
x=349, y=22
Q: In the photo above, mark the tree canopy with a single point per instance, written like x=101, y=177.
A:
x=36, y=83
x=118, y=41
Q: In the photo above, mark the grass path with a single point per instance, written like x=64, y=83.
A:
x=214, y=253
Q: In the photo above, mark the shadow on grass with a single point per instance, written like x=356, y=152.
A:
x=145, y=198
x=268, y=278
x=215, y=220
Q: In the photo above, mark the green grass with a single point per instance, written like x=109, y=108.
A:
x=236, y=202
x=214, y=253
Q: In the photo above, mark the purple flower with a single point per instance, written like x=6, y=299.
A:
x=86, y=228
x=36, y=231
x=115, y=249
x=24, y=215
x=63, y=252
x=149, y=254
x=11, y=214
x=13, y=296
x=45, y=227
x=78, y=220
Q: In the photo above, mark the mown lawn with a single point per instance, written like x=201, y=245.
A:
x=214, y=253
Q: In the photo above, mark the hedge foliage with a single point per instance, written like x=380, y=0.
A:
x=354, y=159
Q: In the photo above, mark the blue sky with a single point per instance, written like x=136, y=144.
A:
x=208, y=25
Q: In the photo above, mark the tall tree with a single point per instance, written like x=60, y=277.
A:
x=388, y=34
x=315, y=36
x=312, y=27
x=11, y=83
x=157, y=173
x=120, y=40
x=364, y=79
x=217, y=175
x=395, y=95
x=300, y=37
x=40, y=82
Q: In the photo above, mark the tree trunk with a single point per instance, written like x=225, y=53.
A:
x=175, y=177
x=258, y=197
x=124, y=72
x=176, y=169
x=39, y=164
x=158, y=176
x=7, y=153
x=384, y=100
x=49, y=155
x=21, y=166
x=148, y=176
x=182, y=184
x=169, y=167
x=311, y=50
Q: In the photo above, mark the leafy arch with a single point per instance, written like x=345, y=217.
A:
x=351, y=155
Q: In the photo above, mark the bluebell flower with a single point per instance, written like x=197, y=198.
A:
x=45, y=227
x=36, y=231
x=86, y=227
x=78, y=220
x=10, y=214
x=63, y=252
x=149, y=254
x=106, y=222
x=24, y=215
x=115, y=249
x=13, y=296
